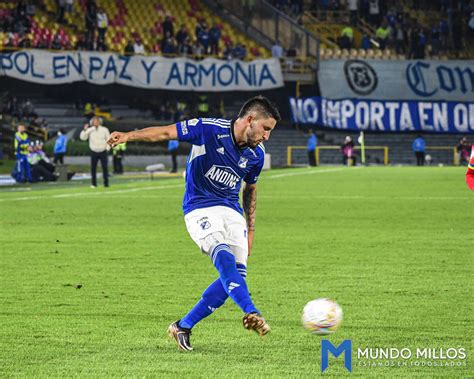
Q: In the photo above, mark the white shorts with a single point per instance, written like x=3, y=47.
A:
x=230, y=223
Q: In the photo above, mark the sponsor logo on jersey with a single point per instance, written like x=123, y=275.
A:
x=220, y=150
x=243, y=162
x=184, y=129
x=222, y=177
x=219, y=136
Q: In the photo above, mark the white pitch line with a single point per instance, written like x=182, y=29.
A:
x=111, y=193
x=91, y=194
x=312, y=172
x=319, y=197
x=356, y=197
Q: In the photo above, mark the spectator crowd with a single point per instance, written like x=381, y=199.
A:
x=24, y=32
x=393, y=27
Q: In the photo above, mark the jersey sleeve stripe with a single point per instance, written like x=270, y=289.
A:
x=219, y=122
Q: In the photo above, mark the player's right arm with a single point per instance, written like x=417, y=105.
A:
x=151, y=134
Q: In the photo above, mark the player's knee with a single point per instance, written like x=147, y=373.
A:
x=212, y=240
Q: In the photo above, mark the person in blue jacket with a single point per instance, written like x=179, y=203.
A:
x=173, y=150
x=419, y=147
x=60, y=147
x=312, y=142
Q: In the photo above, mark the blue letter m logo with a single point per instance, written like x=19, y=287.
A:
x=345, y=346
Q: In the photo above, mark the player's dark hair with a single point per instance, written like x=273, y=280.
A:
x=262, y=106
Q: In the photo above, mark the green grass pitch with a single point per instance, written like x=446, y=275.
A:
x=393, y=246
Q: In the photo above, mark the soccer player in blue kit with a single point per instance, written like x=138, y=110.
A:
x=223, y=153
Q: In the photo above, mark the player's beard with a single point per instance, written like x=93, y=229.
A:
x=254, y=143
x=252, y=140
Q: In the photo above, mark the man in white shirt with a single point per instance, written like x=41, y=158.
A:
x=353, y=6
x=97, y=136
x=138, y=47
x=102, y=24
x=277, y=50
x=374, y=12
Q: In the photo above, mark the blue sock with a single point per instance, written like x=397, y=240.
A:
x=213, y=297
x=233, y=283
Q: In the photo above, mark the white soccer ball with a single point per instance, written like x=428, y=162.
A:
x=322, y=316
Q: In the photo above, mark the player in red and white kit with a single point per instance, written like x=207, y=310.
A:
x=470, y=171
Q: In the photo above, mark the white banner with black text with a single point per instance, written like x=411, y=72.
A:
x=424, y=80
x=153, y=72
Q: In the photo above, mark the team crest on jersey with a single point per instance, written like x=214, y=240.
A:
x=243, y=162
x=204, y=223
x=222, y=177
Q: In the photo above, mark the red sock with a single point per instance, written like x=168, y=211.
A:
x=470, y=171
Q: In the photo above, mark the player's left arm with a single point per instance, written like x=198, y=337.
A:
x=249, y=202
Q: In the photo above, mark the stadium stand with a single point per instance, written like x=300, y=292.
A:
x=420, y=29
x=47, y=26
x=69, y=116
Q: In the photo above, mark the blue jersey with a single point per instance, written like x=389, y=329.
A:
x=418, y=145
x=60, y=145
x=173, y=145
x=216, y=165
x=312, y=142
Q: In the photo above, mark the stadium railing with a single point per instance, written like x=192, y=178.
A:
x=290, y=150
x=273, y=25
